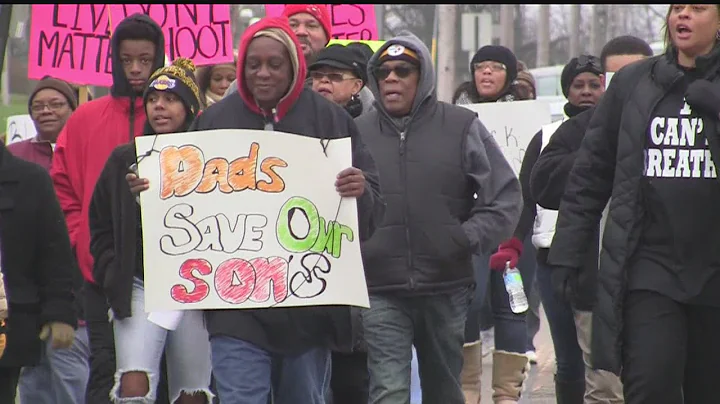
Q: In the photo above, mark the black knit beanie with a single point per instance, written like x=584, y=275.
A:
x=577, y=66
x=178, y=78
x=497, y=53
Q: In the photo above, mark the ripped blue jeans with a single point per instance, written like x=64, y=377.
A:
x=139, y=346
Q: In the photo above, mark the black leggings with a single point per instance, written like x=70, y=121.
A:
x=8, y=384
x=350, y=379
x=670, y=351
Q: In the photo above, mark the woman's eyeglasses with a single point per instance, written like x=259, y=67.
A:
x=334, y=77
x=53, y=106
x=402, y=71
x=493, y=66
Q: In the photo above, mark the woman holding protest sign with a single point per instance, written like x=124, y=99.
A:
x=494, y=72
x=172, y=101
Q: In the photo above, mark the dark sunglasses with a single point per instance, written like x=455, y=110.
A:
x=593, y=62
x=402, y=71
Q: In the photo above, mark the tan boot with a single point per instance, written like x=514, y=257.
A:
x=509, y=372
x=471, y=372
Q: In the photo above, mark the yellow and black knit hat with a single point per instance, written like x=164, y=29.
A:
x=178, y=78
x=399, y=52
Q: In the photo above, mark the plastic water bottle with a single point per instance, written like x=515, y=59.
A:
x=515, y=290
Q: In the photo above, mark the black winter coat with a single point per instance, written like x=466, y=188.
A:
x=113, y=217
x=296, y=329
x=547, y=186
x=37, y=260
x=609, y=166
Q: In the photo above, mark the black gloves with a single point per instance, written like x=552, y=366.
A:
x=564, y=282
x=704, y=96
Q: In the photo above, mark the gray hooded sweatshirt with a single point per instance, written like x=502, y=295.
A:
x=431, y=164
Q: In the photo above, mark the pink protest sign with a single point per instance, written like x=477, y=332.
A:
x=200, y=32
x=72, y=41
x=349, y=21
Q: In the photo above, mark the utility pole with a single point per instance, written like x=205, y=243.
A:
x=380, y=17
x=447, y=35
x=543, y=36
x=5, y=18
x=574, y=31
x=507, y=26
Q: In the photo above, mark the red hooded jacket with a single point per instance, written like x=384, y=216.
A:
x=88, y=138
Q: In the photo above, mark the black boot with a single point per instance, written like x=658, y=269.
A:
x=570, y=392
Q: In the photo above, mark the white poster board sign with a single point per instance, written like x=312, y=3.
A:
x=19, y=128
x=237, y=219
x=513, y=124
x=608, y=78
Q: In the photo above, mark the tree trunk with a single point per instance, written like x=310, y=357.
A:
x=543, y=36
x=574, y=30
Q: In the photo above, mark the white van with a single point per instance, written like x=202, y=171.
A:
x=658, y=47
x=547, y=87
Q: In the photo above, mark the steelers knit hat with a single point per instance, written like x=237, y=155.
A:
x=397, y=51
x=178, y=78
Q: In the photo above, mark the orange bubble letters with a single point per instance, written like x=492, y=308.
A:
x=184, y=170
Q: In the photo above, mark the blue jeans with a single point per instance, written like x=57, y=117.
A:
x=482, y=276
x=247, y=374
x=435, y=326
x=511, y=331
x=559, y=313
x=60, y=377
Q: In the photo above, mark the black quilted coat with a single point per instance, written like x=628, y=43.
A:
x=610, y=166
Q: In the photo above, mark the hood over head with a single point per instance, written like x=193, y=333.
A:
x=135, y=27
x=278, y=29
x=426, y=85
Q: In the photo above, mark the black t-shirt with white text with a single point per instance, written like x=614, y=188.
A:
x=679, y=250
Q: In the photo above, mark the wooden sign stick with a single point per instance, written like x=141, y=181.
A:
x=83, y=95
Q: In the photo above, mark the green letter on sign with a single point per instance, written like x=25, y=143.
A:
x=288, y=239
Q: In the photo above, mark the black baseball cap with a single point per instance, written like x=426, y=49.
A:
x=341, y=57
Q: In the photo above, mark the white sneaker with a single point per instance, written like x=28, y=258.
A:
x=532, y=357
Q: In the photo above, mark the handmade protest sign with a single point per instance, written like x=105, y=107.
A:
x=247, y=219
x=349, y=21
x=199, y=32
x=19, y=128
x=513, y=134
x=72, y=41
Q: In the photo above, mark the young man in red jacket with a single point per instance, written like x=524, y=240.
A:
x=89, y=136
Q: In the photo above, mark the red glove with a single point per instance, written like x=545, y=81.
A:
x=507, y=251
